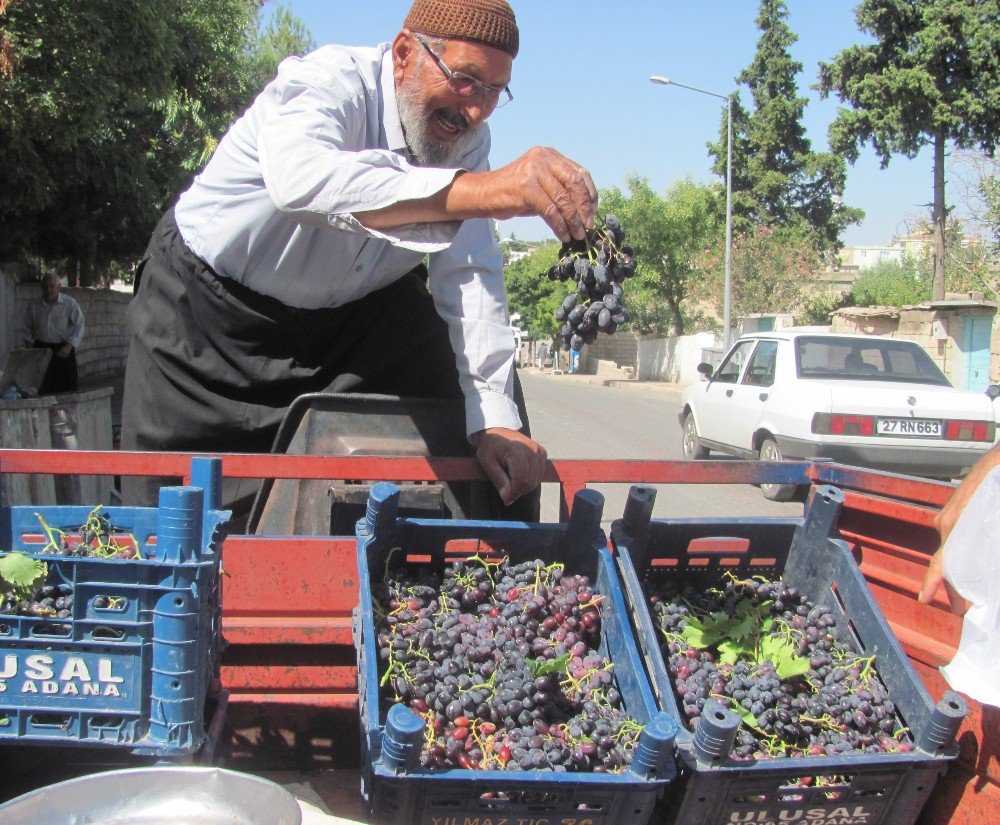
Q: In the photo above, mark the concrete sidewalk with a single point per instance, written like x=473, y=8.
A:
x=603, y=380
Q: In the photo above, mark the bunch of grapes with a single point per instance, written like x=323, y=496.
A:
x=598, y=265
x=51, y=601
x=501, y=662
x=833, y=704
x=98, y=539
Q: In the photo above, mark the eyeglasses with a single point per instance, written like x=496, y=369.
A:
x=465, y=86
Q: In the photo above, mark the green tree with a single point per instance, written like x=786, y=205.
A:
x=107, y=109
x=891, y=283
x=932, y=76
x=667, y=233
x=772, y=271
x=533, y=295
x=283, y=35
x=778, y=181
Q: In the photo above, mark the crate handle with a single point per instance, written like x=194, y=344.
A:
x=713, y=740
x=718, y=546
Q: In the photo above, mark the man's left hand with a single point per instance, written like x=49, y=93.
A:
x=64, y=351
x=512, y=461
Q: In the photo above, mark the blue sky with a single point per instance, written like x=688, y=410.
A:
x=581, y=85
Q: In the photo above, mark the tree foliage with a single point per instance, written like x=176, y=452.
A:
x=978, y=176
x=107, y=109
x=667, y=232
x=891, y=283
x=533, y=295
x=282, y=35
x=778, y=181
x=931, y=76
x=968, y=264
x=771, y=271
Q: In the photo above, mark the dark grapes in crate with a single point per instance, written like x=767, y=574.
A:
x=501, y=661
x=768, y=653
x=597, y=266
x=24, y=589
x=97, y=538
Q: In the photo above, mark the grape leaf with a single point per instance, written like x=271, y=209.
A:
x=730, y=652
x=782, y=654
x=21, y=573
x=792, y=666
x=540, y=667
x=704, y=634
x=740, y=630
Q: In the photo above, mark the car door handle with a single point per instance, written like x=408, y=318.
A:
x=763, y=396
x=729, y=393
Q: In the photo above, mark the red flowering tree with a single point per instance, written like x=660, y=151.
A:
x=772, y=272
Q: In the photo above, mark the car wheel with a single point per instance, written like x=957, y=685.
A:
x=770, y=451
x=693, y=451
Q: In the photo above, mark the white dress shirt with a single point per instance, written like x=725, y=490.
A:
x=58, y=323
x=273, y=211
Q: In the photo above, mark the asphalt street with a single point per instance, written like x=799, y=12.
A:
x=578, y=417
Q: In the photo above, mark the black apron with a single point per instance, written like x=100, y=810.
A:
x=213, y=365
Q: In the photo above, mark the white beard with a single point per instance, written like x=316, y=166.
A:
x=424, y=147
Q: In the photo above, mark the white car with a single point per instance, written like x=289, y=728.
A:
x=867, y=401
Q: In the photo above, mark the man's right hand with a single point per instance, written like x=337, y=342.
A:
x=545, y=183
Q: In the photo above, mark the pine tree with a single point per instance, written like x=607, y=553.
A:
x=778, y=181
x=932, y=76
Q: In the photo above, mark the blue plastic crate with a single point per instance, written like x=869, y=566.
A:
x=399, y=791
x=874, y=789
x=132, y=664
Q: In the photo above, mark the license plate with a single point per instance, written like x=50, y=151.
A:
x=921, y=427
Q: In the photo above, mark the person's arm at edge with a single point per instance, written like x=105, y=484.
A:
x=945, y=522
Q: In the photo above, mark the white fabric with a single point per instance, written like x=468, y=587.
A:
x=273, y=211
x=972, y=565
x=60, y=323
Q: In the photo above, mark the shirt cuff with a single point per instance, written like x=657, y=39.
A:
x=490, y=409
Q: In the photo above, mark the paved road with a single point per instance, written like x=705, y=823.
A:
x=574, y=417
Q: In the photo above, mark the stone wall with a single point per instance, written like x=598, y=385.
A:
x=104, y=349
x=937, y=328
x=866, y=321
x=622, y=349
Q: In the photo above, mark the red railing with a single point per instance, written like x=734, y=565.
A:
x=288, y=599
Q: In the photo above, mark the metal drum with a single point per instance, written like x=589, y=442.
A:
x=156, y=796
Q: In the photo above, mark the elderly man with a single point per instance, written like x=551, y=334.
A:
x=55, y=322
x=294, y=262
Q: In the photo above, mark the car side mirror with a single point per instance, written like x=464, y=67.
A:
x=705, y=370
x=993, y=390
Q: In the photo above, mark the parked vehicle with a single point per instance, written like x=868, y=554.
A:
x=867, y=401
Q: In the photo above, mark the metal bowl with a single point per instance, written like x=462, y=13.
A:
x=156, y=796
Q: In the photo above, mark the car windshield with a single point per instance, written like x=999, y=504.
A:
x=856, y=359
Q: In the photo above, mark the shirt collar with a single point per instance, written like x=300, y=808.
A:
x=390, y=107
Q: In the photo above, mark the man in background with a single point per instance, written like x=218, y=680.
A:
x=55, y=322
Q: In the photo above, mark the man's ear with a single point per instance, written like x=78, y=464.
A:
x=403, y=57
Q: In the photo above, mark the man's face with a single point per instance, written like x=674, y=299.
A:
x=50, y=290
x=441, y=126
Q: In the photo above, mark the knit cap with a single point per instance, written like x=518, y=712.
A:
x=490, y=22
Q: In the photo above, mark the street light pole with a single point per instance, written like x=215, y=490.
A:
x=726, y=323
